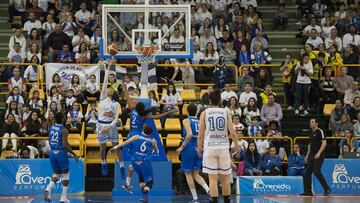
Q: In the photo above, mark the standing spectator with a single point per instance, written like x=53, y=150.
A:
x=314, y=39
x=287, y=69
x=352, y=37
x=95, y=45
x=252, y=160
x=34, y=38
x=327, y=87
x=296, y=162
x=69, y=27
x=65, y=56
x=83, y=18
x=17, y=8
x=281, y=18
x=271, y=111
x=18, y=37
x=251, y=110
x=227, y=94
x=351, y=94
x=31, y=23
x=10, y=129
x=48, y=27
x=233, y=106
x=16, y=55
x=56, y=41
x=333, y=39
x=303, y=71
x=342, y=18
x=343, y=82
x=351, y=56
x=355, y=109
x=246, y=95
x=318, y=65
x=272, y=163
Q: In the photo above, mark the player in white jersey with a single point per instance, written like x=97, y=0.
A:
x=108, y=119
x=214, y=144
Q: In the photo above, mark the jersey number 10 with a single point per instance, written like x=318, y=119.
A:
x=217, y=123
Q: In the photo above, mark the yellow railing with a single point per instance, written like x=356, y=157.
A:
x=327, y=138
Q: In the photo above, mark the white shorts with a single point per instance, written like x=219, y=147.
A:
x=216, y=162
x=110, y=136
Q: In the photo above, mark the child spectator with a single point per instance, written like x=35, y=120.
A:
x=345, y=148
x=28, y=152
x=70, y=99
x=44, y=148
x=251, y=111
x=348, y=134
x=25, y=113
x=272, y=163
x=262, y=144
x=35, y=102
x=243, y=144
x=31, y=74
x=296, y=162
x=279, y=144
x=92, y=116
x=56, y=81
x=14, y=96
x=74, y=117
x=233, y=106
x=281, y=18
x=17, y=81
x=54, y=96
x=10, y=129
x=92, y=88
x=155, y=105
x=238, y=126
x=77, y=87
x=252, y=160
x=254, y=127
x=16, y=55
x=13, y=109
x=52, y=108
x=227, y=94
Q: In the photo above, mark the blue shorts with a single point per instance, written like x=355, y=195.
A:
x=59, y=161
x=127, y=149
x=144, y=170
x=190, y=160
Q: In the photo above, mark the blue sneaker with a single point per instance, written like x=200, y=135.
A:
x=144, y=198
x=122, y=173
x=104, y=170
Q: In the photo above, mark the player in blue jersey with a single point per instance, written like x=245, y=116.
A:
x=143, y=147
x=138, y=116
x=59, y=157
x=190, y=161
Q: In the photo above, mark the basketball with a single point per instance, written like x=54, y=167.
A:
x=113, y=49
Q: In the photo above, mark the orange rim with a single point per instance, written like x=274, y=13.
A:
x=147, y=50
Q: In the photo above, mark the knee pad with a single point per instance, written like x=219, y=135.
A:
x=65, y=176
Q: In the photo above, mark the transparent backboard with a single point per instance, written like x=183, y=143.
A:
x=127, y=26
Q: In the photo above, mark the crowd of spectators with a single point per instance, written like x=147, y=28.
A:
x=224, y=32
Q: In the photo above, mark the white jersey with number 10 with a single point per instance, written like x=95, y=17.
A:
x=216, y=132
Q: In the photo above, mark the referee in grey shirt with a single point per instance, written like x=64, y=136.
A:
x=315, y=157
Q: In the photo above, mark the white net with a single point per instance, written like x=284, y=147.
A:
x=147, y=53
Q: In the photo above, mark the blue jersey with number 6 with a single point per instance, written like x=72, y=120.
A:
x=56, y=137
x=194, y=125
x=142, y=148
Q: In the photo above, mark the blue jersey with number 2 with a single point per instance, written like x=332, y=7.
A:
x=56, y=137
x=136, y=123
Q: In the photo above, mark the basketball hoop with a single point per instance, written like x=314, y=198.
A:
x=146, y=53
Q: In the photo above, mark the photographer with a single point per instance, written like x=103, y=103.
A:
x=303, y=70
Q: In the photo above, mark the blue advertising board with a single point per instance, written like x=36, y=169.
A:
x=270, y=185
x=342, y=175
x=31, y=176
x=162, y=180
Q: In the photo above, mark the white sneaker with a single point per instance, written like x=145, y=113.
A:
x=64, y=200
x=296, y=112
x=290, y=108
x=306, y=113
x=301, y=108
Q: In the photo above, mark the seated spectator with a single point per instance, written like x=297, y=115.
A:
x=271, y=111
x=51, y=110
x=13, y=109
x=66, y=56
x=351, y=94
x=229, y=54
x=258, y=57
x=303, y=71
x=233, y=106
x=254, y=127
x=308, y=29
x=272, y=163
x=56, y=81
x=78, y=39
x=318, y=9
x=74, y=117
x=314, y=39
x=44, y=148
x=334, y=58
x=343, y=82
x=333, y=39
x=15, y=96
x=17, y=81
x=264, y=44
x=95, y=45
x=251, y=110
x=233, y=12
x=262, y=144
x=345, y=148
x=243, y=57
x=31, y=74
x=171, y=100
x=240, y=41
x=252, y=160
x=351, y=56
x=336, y=113
x=69, y=27
x=262, y=80
x=28, y=152
x=281, y=18
x=206, y=38
x=48, y=27
x=55, y=96
x=31, y=23
x=64, y=10
x=77, y=86
x=327, y=87
x=56, y=41
x=227, y=94
x=352, y=37
x=242, y=143
x=238, y=126
x=354, y=109
x=34, y=37
x=344, y=124
x=83, y=52
x=32, y=128
x=266, y=93
x=34, y=51
x=243, y=79
x=155, y=105
x=246, y=95
x=10, y=129
x=83, y=18
x=92, y=116
x=226, y=37
x=203, y=13
x=207, y=24
x=327, y=28
x=279, y=143
x=211, y=56
x=354, y=145
x=16, y=55
x=70, y=99
x=18, y=37
x=198, y=57
x=296, y=162
x=187, y=72
x=25, y=113
x=205, y=100
x=17, y=8
x=342, y=18
x=92, y=88
x=35, y=102
x=357, y=125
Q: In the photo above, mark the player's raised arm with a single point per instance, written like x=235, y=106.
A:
x=161, y=115
x=201, y=134
x=186, y=124
x=154, y=145
x=126, y=142
x=66, y=144
x=103, y=94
